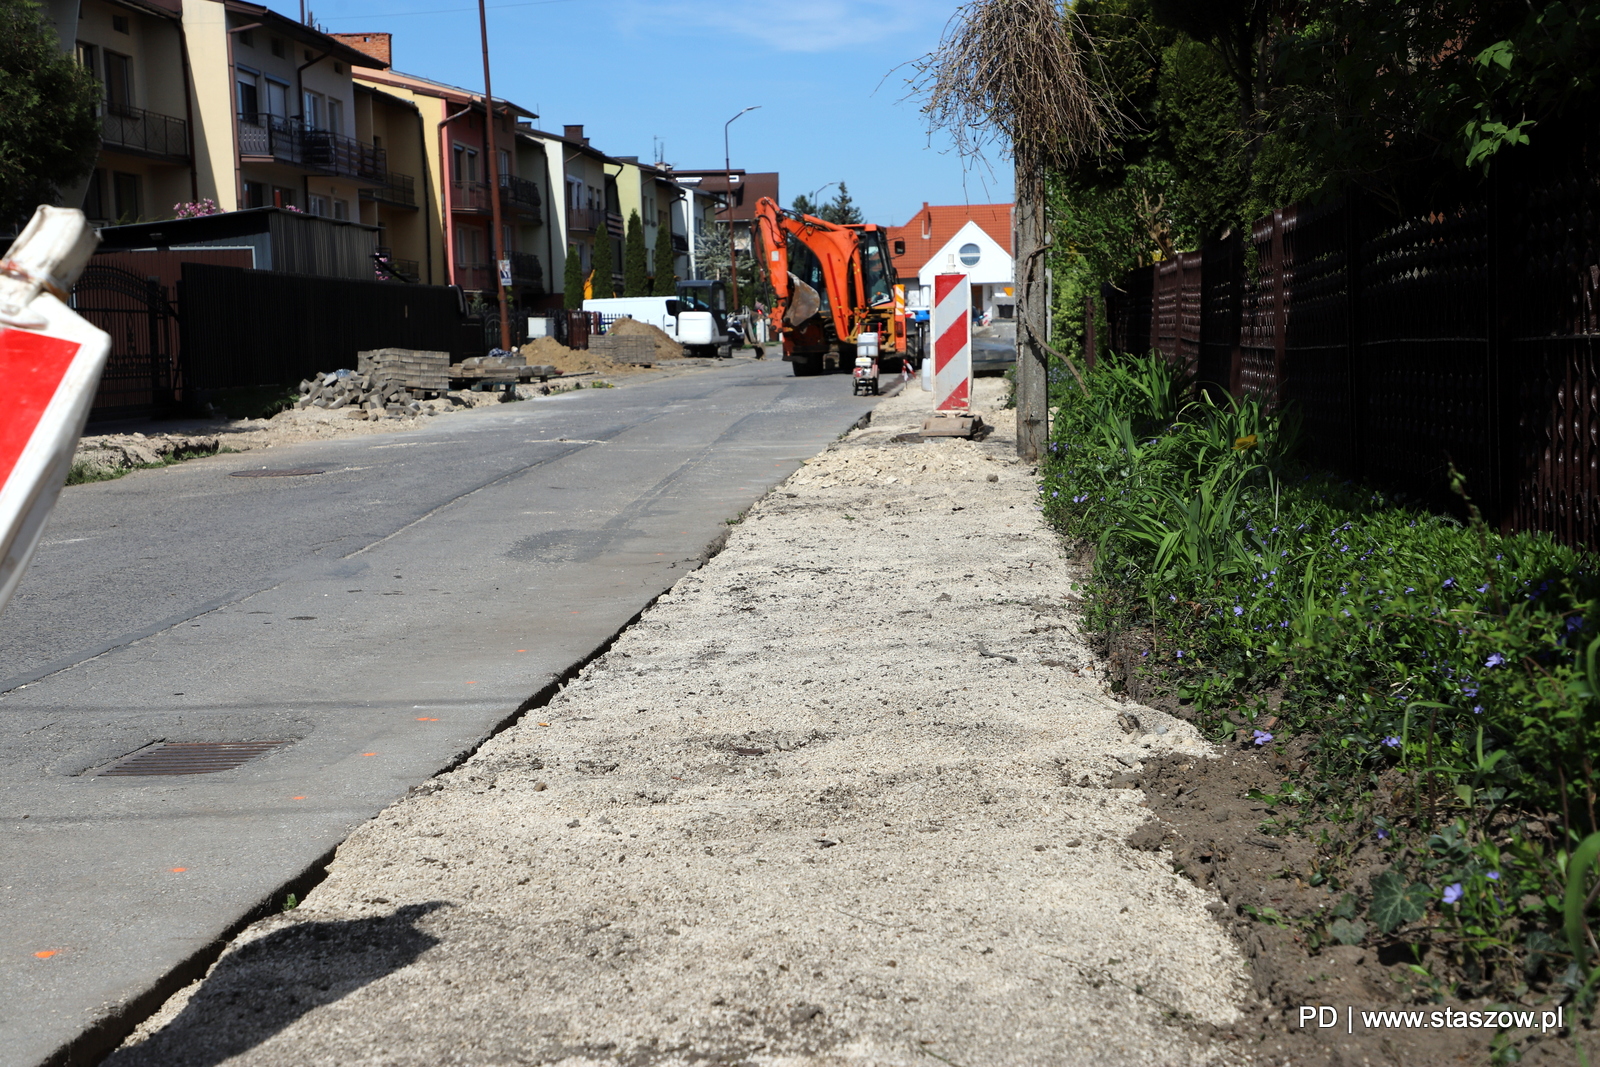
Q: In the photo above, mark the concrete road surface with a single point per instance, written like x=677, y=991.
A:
x=378, y=620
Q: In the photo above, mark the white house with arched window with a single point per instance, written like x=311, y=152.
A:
x=970, y=239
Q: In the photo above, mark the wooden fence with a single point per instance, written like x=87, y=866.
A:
x=1462, y=332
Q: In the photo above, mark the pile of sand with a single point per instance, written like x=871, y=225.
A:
x=666, y=347
x=547, y=350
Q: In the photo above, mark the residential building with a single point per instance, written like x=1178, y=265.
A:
x=136, y=50
x=738, y=192
x=695, y=217
x=970, y=239
x=591, y=198
x=403, y=213
x=455, y=162
x=651, y=191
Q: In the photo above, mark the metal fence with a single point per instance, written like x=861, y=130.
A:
x=251, y=327
x=1463, y=332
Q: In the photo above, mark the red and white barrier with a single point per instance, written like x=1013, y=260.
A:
x=50, y=362
x=952, y=343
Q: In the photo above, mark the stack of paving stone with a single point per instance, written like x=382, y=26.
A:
x=509, y=367
x=427, y=372
x=624, y=348
x=370, y=396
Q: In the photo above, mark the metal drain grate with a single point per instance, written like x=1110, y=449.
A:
x=288, y=472
x=190, y=757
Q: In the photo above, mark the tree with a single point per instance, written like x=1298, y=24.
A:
x=572, y=281
x=635, y=263
x=803, y=205
x=841, y=209
x=603, y=284
x=666, y=281
x=49, y=132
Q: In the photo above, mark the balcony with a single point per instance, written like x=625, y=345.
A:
x=585, y=219
x=680, y=244
x=469, y=196
x=522, y=196
x=397, y=189
x=614, y=224
x=527, y=270
x=290, y=141
x=144, y=133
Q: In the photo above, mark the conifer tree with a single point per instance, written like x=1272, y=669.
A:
x=635, y=267
x=572, y=281
x=604, y=285
x=666, y=281
x=841, y=209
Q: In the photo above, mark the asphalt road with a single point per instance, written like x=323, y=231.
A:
x=379, y=619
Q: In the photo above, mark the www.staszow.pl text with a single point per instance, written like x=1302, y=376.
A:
x=1323, y=1017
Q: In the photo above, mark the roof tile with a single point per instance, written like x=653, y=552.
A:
x=940, y=223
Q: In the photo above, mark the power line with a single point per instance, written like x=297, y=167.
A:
x=445, y=11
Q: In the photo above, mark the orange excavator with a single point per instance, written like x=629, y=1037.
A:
x=834, y=283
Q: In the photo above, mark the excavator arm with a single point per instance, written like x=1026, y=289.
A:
x=830, y=257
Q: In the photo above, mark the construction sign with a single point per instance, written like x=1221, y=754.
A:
x=952, y=343
x=50, y=360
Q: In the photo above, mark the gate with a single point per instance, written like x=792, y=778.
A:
x=141, y=372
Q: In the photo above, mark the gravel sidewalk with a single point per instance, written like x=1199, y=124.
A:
x=849, y=794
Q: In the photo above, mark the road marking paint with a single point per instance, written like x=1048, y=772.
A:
x=369, y=753
x=177, y=870
x=297, y=798
x=421, y=719
x=46, y=954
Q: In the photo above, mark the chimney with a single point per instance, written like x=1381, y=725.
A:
x=575, y=133
x=375, y=45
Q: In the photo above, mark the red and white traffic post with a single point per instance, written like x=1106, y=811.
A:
x=50, y=363
x=952, y=343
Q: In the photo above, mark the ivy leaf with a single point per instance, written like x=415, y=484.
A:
x=1394, y=903
x=1347, y=931
x=1500, y=54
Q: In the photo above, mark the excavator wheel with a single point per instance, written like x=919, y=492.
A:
x=806, y=369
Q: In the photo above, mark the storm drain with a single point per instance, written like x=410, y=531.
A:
x=286, y=472
x=189, y=757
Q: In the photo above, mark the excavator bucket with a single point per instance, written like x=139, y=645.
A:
x=803, y=302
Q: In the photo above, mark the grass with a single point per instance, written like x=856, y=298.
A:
x=84, y=474
x=1441, y=679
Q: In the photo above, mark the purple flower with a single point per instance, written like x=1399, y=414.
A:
x=1180, y=653
x=1484, y=588
x=1392, y=742
x=1449, y=583
x=1477, y=709
x=1383, y=835
x=1262, y=737
x=1494, y=660
x=1494, y=875
x=1452, y=893
x=1237, y=610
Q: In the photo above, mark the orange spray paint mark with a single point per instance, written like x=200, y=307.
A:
x=46, y=954
x=421, y=719
x=177, y=870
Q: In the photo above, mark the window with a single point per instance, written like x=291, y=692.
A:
x=255, y=194
x=249, y=97
x=278, y=48
x=899, y=248
x=336, y=116
x=126, y=187
x=377, y=142
x=970, y=254
x=120, y=23
x=466, y=162
x=119, y=81
x=247, y=38
x=338, y=68
x=94, y=197
x=318, y=205
x=311, y=110
x=89, y=56
x=341, y=210
x=574, y=194
x=277, y=99
x=282, y=197
x=504, y=159
x=927, y=226
x=507, y=242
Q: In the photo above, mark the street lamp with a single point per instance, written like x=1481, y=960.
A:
x=812, y=195
x=727, y=184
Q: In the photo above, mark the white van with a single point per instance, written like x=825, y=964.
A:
x=687, y=318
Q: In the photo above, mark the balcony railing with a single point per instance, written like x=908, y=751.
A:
x=585, y=219
x=469, y=196
x=614, y=224
x=291, y=141
x=680, y=244
x=398, y=189
x=147, y=133
x=527, y=270
x=522, y=196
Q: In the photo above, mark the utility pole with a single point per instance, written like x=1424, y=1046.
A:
x=1032, y=388
x=497, y=241
x=727, y=182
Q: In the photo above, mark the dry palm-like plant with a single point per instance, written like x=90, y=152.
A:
x=1014, y=70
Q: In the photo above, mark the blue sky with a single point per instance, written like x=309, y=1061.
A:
x=833, y=104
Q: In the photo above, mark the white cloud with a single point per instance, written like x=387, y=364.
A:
x=795, y=26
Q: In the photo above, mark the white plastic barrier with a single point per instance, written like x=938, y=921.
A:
x=952, y=343
x=50, y=362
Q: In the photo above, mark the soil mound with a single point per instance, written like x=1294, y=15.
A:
x=549, y=351
x=666, y=347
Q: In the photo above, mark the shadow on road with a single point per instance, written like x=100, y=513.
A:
x=267, y=985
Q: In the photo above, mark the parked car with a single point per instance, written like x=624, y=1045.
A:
x=994, y=348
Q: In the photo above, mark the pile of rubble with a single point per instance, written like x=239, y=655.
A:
x=507, y=366
x=104, y=454
x=366, y=396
